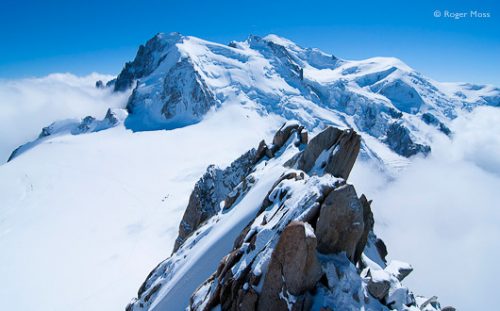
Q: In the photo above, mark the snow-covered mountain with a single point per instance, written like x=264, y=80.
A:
x=177, y=79
x=109, y=195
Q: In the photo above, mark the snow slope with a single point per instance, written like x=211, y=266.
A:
x=81, y=214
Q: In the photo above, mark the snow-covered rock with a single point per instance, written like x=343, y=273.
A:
x=215, y=186
x=89, y=124
x=288, y=241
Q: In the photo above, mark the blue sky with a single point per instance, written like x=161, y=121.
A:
x=40, y=37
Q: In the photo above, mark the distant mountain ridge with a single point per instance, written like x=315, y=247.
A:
x=176, y=80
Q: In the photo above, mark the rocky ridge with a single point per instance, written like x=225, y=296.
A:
x=308, y=243
x=89, y=124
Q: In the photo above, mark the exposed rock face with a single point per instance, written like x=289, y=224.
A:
x=185, y=88
x=284, y=133
x=280, y=138
x=208, y=193
x=368, y=222
x=88, y=124
x=378, y=288
x=99, y=84
x=321, y=142
x=340, y=223
x=343, y=148
x=400, y=140
x=294, y=267
x=309, y=245
x=431, y=119
x=182, y=99
x=146, y=60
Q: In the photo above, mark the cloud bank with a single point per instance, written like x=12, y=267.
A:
x=28, y=105
x=442, y=214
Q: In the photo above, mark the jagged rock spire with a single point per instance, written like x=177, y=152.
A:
x=309, y=244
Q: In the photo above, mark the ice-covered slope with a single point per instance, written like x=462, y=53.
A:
x=80, y=214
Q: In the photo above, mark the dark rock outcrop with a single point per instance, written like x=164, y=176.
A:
x=99, y=84
x=284, y=133
x=368, y=222
x=399, y=139
x=208, y=193
x=294, y=267
x=343, y=148
x=378, y=288
x=146, y=60
x=88, y=124
x=430, y=119
x=340, y=224
x=183, y=98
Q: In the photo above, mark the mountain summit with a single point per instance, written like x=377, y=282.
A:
x=176, y=80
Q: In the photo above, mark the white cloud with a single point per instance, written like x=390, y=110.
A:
x=442, y=214
x=27, y=105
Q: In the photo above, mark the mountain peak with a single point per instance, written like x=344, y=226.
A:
x=280, y=41
x=171, y=36
x=179, y=79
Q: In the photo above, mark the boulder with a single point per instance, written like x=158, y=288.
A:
x=344, y=154
x=294, y=267
x=399, y=269
x=368, y=226
x=340, y=224
x=344, y=146
x=378, y=284
x=284, y=132
x=378, y=289
x=322, y=141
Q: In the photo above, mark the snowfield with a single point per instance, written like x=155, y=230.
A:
x=83, y=214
